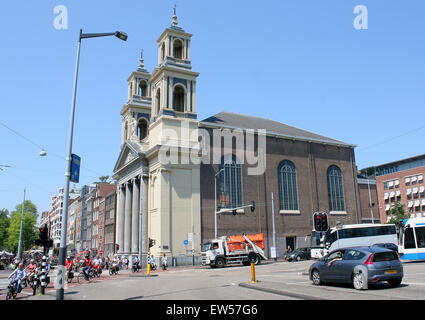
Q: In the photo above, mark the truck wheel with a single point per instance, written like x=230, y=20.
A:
x=257, y=260
x=219, y=263
x=245, y=263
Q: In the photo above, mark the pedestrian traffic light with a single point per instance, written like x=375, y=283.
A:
x=252, y=206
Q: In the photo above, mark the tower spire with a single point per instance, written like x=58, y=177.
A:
x=175, y=22
x=142, y=63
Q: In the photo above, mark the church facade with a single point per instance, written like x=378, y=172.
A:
x=174, y=172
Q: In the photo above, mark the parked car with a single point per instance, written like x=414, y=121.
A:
x=318, y=252
x=359, y=266
x=298, y=254
x=390, y=246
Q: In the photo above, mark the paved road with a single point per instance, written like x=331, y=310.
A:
x=277, y=281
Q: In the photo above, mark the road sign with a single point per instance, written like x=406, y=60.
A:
x=190, y=236
x=185, y=242
x=273, y=252
x=75, y=168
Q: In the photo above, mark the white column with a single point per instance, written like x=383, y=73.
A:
x=127, y=228
x=135, y=217
x=144, y=185
x=120, y=218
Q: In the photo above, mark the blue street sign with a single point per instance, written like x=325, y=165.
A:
x=185, y=243
x=75, y=168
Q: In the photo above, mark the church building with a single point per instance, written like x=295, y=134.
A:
x=174, y=173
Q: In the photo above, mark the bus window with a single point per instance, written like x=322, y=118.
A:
x=409, y=239
x=420, y=237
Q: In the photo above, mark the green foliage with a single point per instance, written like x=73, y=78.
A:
x=4, y=226
x=103, y=178
x=29, y=227
x=397, y=213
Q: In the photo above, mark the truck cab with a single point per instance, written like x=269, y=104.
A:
x=211, y=250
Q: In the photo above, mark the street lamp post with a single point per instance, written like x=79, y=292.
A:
x=62, y=250
x=215, y=202
x=20, y=231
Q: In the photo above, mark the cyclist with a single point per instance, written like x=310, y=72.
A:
x=96, y=264
x=87, y=265
x=68, y=263
x=30, y=269
x=17, y=276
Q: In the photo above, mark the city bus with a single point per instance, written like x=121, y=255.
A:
x=357, y=235
x=412, y=239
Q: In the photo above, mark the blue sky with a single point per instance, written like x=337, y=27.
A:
x=298, y=62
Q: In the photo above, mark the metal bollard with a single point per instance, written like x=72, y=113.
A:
x=253, y=272
x=148, y=271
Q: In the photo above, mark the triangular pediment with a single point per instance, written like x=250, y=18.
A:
x=127, y=155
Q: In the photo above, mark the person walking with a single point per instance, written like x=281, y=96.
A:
x=164, y=262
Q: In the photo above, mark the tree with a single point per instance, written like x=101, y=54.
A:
x=397, y=213
x=103, y=178
x=4, y=226
x=29, y=227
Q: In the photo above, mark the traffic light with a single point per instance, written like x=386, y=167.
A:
x=320, y=220
x=42, y=236
x=324, y=222
x=151, y=242
x=317, y=219
x=252, y=206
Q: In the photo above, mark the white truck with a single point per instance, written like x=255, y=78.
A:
x=230, y=250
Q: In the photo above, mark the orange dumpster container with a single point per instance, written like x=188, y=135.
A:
x=237, y=242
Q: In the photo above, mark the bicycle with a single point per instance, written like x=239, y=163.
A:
x=81, y=278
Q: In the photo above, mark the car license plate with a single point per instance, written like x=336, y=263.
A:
x=390, y=271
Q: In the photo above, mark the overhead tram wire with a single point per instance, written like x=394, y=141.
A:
x=44, y=149
x=391, y=139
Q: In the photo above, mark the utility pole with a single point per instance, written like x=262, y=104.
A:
x=274, y=231
x=20, y=231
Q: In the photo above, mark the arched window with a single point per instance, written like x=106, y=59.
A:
x=158, y=101
x=178, y=49
x=143, y=88
x=179, y=98
x=142, y=129
x=230, y=187
x=335, y=189
x=288, y=188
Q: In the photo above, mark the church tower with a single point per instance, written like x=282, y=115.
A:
x=173, y=81
x=158, y=202
x=174, y=186
x=136, y=113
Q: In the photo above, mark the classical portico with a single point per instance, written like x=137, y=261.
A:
x=132, y=202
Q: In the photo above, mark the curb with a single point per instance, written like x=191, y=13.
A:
x=143, y=275
x=280, y=292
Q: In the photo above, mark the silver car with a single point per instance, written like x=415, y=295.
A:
x=359, y=266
